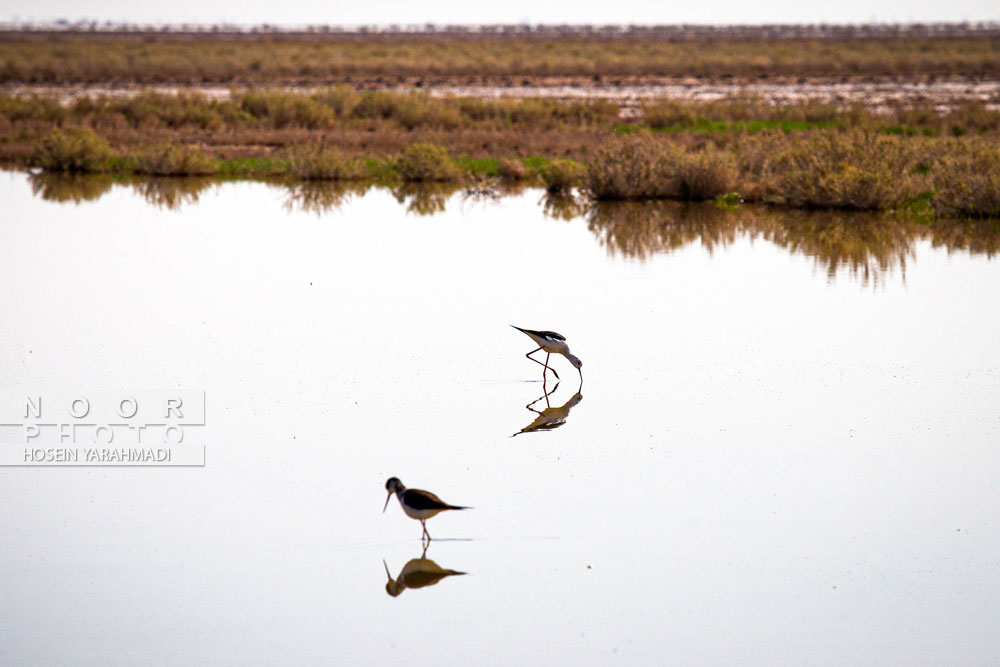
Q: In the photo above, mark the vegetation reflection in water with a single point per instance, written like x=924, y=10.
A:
x=169, y=192
x=319, y=197
x=418, y=572
x=869, y=246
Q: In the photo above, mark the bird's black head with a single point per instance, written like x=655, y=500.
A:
x=392, y=484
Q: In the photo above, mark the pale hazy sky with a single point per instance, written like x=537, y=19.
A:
x=297, y=12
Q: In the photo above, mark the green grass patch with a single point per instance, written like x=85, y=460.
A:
x=381, y=170
x=535, y=162
x=485, y=166
x=920, y=208
x=252, y=166
x=122, y=164
x=911, y=130
x=728, y=201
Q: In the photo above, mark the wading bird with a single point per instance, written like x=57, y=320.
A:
x=418, y=504
x=552, y=343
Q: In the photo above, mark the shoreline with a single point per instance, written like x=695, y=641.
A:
x=805, y=154
x=876, y=95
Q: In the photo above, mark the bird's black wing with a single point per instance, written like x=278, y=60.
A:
x=425, y=500
x=551, y=335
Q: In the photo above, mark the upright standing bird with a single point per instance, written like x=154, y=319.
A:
x=552, y=343
x=418, y=504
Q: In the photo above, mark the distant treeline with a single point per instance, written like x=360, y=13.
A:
x=988, y=29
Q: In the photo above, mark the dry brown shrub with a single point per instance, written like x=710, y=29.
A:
x=281, y=109
x=634, y=167
x=646, y=167
x=706, y=174
x=174, y=160
x=426, y=162
x=72, y=149
x=972, y=116
x=561, y=175
x=857, y=169
x=341, y=99
x=511, y=169
x=662, y=113
x=967, y=182
x=321, y=162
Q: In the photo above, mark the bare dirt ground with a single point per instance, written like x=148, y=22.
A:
x=872, y=94
x=942, y=93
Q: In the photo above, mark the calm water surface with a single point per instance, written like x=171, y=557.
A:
x=786, y=449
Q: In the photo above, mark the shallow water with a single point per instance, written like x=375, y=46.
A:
x=784, y=451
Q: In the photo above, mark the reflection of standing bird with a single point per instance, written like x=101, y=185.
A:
x=552, y=343
x=417, y=573
x=418, y=504
x=550, y=418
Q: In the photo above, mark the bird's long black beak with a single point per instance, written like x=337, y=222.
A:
x=386, y=502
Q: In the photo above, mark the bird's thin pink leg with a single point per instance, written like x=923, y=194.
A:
x=547, y=367
x=544, y=365
x=532, y=358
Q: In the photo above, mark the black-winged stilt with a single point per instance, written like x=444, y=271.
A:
x=552, y=343
x=418, y=504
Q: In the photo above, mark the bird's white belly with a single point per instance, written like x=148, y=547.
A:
x=419, y=514
x=552, y=347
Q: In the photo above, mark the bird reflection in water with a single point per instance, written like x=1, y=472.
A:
x=417, y=573
x=551, y=417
